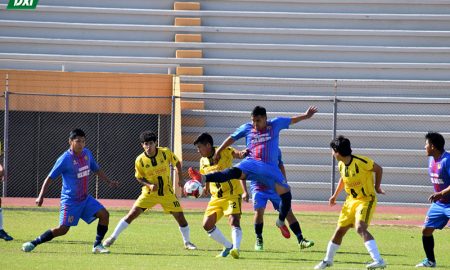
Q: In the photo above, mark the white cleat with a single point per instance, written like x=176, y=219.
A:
x=323, y=265
x=190, y=246
x=100, y=249
x=109, y=241
x=376, y=265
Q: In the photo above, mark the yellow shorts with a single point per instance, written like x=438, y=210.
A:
x=168, y=202
x=224, y=206
x=354, y=210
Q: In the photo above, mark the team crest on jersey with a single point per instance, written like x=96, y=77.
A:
x=75, y=162
x=147, y=166
x=85, y=157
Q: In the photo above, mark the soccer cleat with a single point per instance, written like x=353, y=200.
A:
x=305, y=243
x=190, y=246
x=109, y=241
x=234, y=253
x=323, y=265
x=225, y=252
x=5, y=236
x=194, y=174
x=259, y=245
x=28, y=247
x=100, y=249
x=283, y=228
x=376, y=264
x=426, y=263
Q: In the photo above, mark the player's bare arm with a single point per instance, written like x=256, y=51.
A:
x=44, y=188
x=145, y=182
x=241, y=154
x=308, y=114
x=438, y=195
x=245, y=195
x=101, y=174
x=180, y=174
x=378, y=170
x=228, y=141
x=339, y=188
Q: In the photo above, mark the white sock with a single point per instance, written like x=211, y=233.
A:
x=373, y=250
x=331, y=251
x=236, y=235
x=218, y=236
x=1, y=219
x=119, y=228
x=185, y=233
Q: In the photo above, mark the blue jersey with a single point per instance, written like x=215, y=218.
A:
x=439, y=171
x=75, y=171
x=263, y=145
x=256, y=186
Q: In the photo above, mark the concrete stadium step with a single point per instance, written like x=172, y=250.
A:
x=346, y=121
x=236, y=18
x=227, y=50
x=265, y=68
x=321, y=87
x=296, y=137
x=135, y=32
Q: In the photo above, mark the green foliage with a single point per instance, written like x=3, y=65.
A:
x=153, y=241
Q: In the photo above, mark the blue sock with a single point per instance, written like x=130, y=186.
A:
x=45, y=237
x=224, y=176
x=295, y=228
x=285, y=205
x=101, y=231
x=259, y=230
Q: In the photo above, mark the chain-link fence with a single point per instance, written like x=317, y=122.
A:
x=391, y=131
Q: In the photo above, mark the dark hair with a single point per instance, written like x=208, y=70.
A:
x=204, y=138
x=342, y=146
x=76, y=133
x=436, y=139
x=147, y=136
x=259, y=111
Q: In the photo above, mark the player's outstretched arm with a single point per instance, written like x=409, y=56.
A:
x=378, y=170
x=44, y=188
x=228, y=141
x=308, y=114
x=101, y=174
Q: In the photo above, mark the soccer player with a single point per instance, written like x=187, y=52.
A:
x=152, y=170
x=262, y=140
x=3, y=235
x=225, y=197
x=260, y=195
x=439, y=211
x=357, y=180
x=75, y=165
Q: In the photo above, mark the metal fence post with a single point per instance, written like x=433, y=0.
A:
x=333, y=160
x=6, y=139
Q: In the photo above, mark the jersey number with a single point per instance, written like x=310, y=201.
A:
x=176, y=204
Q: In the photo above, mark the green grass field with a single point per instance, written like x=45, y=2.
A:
x=154, y=242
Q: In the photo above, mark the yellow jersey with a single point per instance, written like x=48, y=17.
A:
x=358, y=177
x=156, y=170
x=220, y=190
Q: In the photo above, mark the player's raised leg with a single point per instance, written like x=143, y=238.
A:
x=134, y=213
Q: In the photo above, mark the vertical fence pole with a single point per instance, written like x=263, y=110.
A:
x=333, y=160
x=172, y=139
x=6, y=139
x=98, y=154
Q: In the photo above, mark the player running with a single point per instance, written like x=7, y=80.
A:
x=75, y=166
x=225, y=197
x=357, y=180
x=152, y=170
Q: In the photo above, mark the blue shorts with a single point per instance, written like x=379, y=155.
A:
x=437, y=216
x=265, y=173
x=71, y=212
x=260, y=199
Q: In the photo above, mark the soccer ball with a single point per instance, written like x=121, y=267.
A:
x=193, y=188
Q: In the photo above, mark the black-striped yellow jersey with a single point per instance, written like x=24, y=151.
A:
x=358, y=177
x=220, y=190
x=156, y=170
